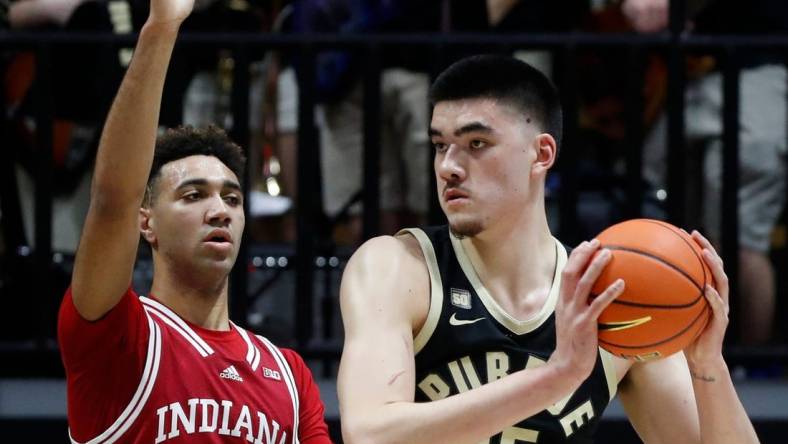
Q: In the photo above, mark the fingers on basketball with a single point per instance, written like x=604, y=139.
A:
x=663, y=307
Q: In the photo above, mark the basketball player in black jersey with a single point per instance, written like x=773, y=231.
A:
x=490, y=319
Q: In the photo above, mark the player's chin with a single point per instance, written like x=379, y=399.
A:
x=218, y=259
x=217, y=266
x=464, y=225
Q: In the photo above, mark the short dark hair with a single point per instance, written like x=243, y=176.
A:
x=507, y=79
x=185, y=141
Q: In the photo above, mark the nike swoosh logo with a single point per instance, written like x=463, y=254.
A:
x=623, y=325
x=454, y=321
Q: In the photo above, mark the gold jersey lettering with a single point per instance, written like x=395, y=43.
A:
x=577, y=417
x=470, y=373
x=497, y=365
x=514, y=435
x=434, y=387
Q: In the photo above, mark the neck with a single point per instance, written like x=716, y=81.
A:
x=202, y=302
x=516, y=260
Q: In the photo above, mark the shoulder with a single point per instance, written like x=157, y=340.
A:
x=397, y=248
x=71, y=323
x=388, y=259
x=304, y=380
x=388, y=275
x=294, y=360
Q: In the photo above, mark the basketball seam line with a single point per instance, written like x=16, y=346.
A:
x=655, y=257
x=684, y=330
x=658, y=259
x=671, y=228
x=662, y=306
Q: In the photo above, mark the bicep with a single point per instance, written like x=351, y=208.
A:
x=660, y=402
x=377, y=366
x=378, y=302
x=105, y=259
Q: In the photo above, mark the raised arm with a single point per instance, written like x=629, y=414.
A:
x=107, y=249
x=690, y=397
x=384, y=296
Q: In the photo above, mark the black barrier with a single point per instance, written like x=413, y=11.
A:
x=674, y=44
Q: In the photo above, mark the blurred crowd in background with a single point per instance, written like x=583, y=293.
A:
x=199, y=89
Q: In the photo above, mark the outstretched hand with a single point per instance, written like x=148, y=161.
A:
x=169, y=12
x=576, y=315
x=708, y=346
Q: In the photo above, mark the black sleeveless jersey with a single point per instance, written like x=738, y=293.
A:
x=469, y=340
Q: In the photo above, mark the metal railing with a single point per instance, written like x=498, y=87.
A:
x=675, y=45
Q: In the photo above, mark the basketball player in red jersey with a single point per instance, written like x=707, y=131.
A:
x=172, y=367
x=483, y=331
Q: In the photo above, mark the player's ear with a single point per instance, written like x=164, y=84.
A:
x=146, y=225
x=546, y=150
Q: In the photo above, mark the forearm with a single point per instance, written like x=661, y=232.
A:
x=125, y=152
x=722, y=416
x=110, y=234
x=468, y=417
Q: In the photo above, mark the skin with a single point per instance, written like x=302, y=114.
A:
x=193, y=217
x=490, y=166
x=192, y=197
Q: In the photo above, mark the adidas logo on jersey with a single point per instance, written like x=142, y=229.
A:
x=271, y=374
x=231, y=373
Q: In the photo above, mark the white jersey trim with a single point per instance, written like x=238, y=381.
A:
x=252, y=354
x=133, y=409
x=610, y=371
x=289, y=381
x=436, y=289
x=174, y=321
x=516, y=326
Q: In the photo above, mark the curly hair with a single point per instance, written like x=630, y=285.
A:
x=185, y=141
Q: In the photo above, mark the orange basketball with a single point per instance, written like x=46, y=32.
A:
x=662, y=309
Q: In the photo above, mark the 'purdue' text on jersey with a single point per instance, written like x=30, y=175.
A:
x=469, y=340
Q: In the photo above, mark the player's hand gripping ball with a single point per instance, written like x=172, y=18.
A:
x=662, y=309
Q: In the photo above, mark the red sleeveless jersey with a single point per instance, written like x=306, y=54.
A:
x=142, y=374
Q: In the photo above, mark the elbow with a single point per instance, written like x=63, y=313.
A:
x=355, y=432
x=366, y=431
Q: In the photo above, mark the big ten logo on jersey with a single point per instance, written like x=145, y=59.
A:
x=271, y=374
x=464, y=377
x=120, y=16
x=217, y=417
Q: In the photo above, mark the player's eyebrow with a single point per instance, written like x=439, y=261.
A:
x=203, y=182
x=473, y=127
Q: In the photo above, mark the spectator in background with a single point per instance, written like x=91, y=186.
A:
x=762, y=141
x=339, y=92
x=25, y=14
x=82, y=80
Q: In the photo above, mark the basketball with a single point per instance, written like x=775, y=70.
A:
x=662, y=308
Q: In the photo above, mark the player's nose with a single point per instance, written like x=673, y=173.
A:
x=218, y=211
x=450, y=166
